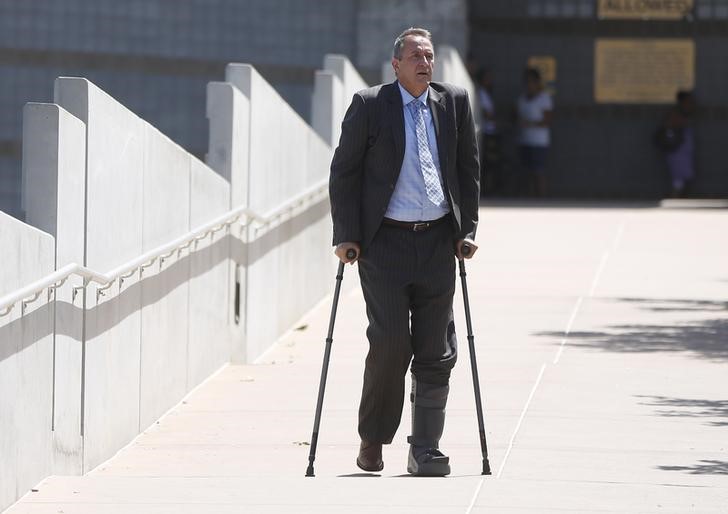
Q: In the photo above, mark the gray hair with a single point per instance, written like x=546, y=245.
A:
x=412, y=31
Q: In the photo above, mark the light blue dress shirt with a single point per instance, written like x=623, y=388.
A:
x=409, y=200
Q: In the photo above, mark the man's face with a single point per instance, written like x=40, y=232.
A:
x=414, y=69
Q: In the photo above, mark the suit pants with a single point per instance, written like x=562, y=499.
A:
x=408, y=280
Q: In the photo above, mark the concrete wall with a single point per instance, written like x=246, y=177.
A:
x=286, y=157
x=328, y=96
x=54, y=171
x=449, y=67
x=115, y=201
x=211, y=336
x=111, y=187
x=165, y=288
x=26, y=362
x=333, y=88
x=228, y=112
x=140, y=197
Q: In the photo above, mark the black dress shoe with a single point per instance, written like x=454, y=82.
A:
x=370, y=457
x=427, y=462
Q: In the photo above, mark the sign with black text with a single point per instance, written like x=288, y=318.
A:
x=645, y=9
x=642, y=70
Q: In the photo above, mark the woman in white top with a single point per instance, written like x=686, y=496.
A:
x=535, y=110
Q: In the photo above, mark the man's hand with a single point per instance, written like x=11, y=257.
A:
x=459, y=249
x=343, y=248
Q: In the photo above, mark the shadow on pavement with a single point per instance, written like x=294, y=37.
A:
x=702, y=467
x=692, y=408
x=706, y=338
x=689, y=408
x=676, y=305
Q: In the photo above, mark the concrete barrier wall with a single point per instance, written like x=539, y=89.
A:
x=141, y=352
x=333, y=88
x=451, y=68
x=114, y=224
x=286, y=157
x=165, y=288
x=111, y=187
x=326, y=100
x=26, y=362
x=54, y=169
x=341, y=66
x=228, y=112
x=211, y=331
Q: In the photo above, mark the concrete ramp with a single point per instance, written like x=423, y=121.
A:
x=602, y=339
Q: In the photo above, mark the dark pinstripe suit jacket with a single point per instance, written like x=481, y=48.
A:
x=369, y=157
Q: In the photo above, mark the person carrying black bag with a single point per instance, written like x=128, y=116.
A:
x=675, y=138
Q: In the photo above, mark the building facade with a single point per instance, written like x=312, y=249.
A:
x=605, y=118
x=157, y=56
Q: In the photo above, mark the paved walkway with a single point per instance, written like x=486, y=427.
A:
x=603, y=349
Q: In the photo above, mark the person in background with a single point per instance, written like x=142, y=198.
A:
x=680, y=158
x=535, y=112
x=490, y=141
x=471, y=65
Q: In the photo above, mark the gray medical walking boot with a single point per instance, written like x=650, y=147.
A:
x=428, y=421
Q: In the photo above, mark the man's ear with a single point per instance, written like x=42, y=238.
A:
x=395, y=65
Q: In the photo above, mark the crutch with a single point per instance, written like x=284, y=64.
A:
x=473, y=363
x=350, y=254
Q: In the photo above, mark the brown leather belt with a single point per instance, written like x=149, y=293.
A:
x=414, y=226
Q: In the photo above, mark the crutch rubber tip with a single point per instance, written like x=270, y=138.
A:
x=486, y=467
x=309, y=471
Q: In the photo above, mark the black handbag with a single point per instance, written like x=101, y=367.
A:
x=669, y=139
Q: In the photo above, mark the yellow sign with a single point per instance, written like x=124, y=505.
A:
x=645, y=9
x=546, y=65
x=642, y=70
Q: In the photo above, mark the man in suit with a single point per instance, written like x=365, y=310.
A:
x=404, y=195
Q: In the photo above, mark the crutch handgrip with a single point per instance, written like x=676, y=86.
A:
x=351, y=254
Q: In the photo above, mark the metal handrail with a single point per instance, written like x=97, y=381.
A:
x=54, y=280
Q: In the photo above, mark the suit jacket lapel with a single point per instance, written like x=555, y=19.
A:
x=396, y=118
x=437, y=107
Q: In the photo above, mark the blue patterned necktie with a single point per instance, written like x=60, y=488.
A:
x=427, y=164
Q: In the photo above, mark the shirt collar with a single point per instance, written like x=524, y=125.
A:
x=407, y=97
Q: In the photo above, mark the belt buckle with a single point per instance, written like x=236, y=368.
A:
x=420, y=226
